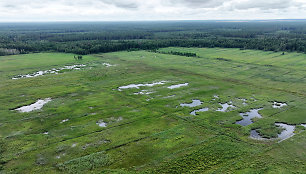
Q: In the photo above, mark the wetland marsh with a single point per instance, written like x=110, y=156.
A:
x=155, y=113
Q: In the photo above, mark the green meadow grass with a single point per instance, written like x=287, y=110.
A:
x=152, y=133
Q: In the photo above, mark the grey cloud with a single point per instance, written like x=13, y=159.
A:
x=264, y=4
x=198, y=3
x=127, y=4
x=9, y=6
x=25, y=3
x=35, y=10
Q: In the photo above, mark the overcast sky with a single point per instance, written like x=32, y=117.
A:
x=131, y=10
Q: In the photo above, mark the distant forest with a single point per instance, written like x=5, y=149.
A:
x=96, y=37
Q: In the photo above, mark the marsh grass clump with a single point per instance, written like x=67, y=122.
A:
x=270, y=131
x=61, y=148
x=223, y=59
x=204, y=158
x=299, y=128
x=85, y=163
x=2, y=148
x=41, y=160
x=97, y=74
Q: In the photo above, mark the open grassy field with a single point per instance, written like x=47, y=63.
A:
x=150, y=132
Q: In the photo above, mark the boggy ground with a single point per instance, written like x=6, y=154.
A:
x=150, y=132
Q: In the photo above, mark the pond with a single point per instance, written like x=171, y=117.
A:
x=35, y=106
x=278, y=104
x=52, y=71
x=199, y=110
x=288, y=131
x=225, y=107
x=255, y=135
x=178, y=86
x=108, y=65
x=248, y=116
x=143, y=92
x=101, y=123
x=193, y=104
x=141, y=85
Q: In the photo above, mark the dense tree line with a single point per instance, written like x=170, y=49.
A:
x=177, y=53
x=88, y=38
x=96, y=46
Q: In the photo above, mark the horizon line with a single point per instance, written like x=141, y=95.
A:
x=178, y=20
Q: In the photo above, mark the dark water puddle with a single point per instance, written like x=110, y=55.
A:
x=143, y=92
x=108, y=65
x=278, y=104
x=193, y=104
x=255, y=135
x=287, y=132
x=149, y=99
x=178, y=86
x=141, y=85
x=248, y=116
x=170, y=96
x=215, y=97
x=63, y=121
x=199, y=110
x=244, y=101
x=61, y=155
x=35, y=106
x=111, y=120
x=101, y=123
x=225, y=107
x=52, y=71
